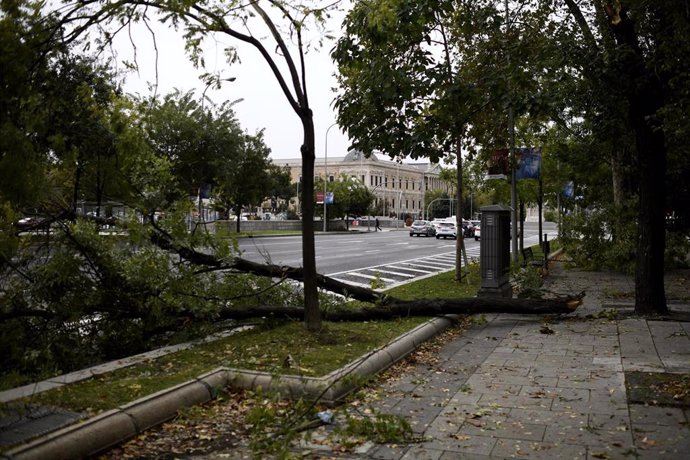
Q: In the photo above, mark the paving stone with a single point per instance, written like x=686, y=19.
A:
x=507, y=429
x=514, y=448
x=655, y=415
x=654, y=440
x=463, y=444
x=422, y=453
x=388, y=452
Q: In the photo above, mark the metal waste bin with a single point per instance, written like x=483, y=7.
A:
x=494, y=255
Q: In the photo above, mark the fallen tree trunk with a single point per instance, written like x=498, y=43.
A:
x=424, y=307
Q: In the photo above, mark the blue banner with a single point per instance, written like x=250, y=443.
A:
x=569, y=190
x=528, y=163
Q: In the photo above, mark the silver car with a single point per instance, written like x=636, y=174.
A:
x=422, y=227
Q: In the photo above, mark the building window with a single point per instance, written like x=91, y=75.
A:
x=331, y=178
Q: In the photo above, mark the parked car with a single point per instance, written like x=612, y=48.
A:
x=437, y=222
x=477, y=233
x=422, y=227
x=447, y=230
x=467, y=229
x=475, y=224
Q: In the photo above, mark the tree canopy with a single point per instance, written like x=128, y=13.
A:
x=76, y=286
x=594, y=84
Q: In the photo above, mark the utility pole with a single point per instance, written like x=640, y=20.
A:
x=325, y=179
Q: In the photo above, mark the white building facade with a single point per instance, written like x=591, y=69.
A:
x=399, y=187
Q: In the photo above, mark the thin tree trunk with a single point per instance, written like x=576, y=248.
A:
x=460, y=252
x=312, y=313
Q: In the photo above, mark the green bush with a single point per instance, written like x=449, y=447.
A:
x=601, y=239
x=677, y=250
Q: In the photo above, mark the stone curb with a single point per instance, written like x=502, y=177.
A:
x=108, y=429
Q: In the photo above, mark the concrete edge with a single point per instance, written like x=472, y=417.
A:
x=110, y=428
x=93, y=435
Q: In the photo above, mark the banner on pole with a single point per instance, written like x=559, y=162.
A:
x=497, y=166
x=569, y=189
x=528, y=163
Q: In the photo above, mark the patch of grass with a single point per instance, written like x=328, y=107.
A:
x=263, y=350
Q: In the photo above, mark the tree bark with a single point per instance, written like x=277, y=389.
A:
x=312, y=312
x=396, y=308
x=460, y=240
x=645, y=98
x=424, y=307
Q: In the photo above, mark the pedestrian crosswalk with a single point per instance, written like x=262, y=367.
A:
x=386, y=276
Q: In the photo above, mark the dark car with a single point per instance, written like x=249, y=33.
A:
x=467, y=229
x=422, y=227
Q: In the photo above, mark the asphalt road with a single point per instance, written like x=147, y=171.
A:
x=340, y=252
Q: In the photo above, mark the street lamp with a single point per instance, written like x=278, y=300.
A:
x=428, y=208
x=325, y=179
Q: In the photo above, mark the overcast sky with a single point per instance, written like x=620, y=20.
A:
x=262, y=105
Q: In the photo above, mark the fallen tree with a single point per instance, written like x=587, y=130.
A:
x=385, y=306
x=395, y=308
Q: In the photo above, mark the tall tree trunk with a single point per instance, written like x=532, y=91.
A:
x=460, y=240
x=521, y=223
x=238, y=216
x=645, y=98
x=650, y=296
x=617, y=161
x=312, y=313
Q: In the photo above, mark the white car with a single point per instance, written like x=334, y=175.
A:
x=437, y=222
x=477, y=233
x=446, y=230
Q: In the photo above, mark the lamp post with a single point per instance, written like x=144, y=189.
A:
x=297, y=205
x=397, y=213
x=428, y=208
x=325, y=179
x=511, y=131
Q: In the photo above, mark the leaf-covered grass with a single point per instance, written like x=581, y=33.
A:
x=264, y=348
x=258, y=349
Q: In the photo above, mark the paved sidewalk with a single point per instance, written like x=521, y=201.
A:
x=518, y=387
